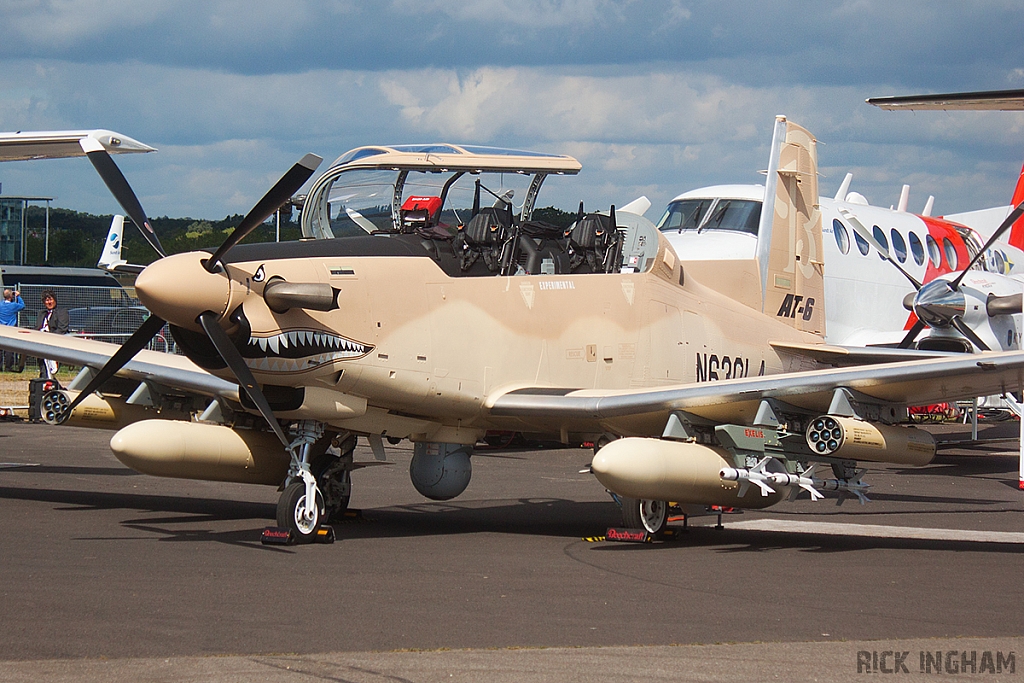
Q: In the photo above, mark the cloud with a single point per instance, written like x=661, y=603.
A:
x=661, y=96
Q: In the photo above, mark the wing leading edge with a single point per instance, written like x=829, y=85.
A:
x=167, y=369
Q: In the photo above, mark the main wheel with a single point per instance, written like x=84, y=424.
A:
x=650, y=515
x=291, y=512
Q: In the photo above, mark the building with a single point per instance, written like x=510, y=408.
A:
x=13, y=215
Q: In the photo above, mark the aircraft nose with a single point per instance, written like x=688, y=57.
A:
x=178, y=289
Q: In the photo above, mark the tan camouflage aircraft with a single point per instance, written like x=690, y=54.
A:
x=716, y=391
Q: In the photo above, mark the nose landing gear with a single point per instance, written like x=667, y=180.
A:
x=301, y=506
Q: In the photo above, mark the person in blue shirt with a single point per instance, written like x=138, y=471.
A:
x=9, y=309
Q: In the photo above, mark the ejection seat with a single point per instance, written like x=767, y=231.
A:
x=484, y=238
x=595, y=244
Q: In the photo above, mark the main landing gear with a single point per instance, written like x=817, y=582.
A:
x=650, y=515
x=319, y=481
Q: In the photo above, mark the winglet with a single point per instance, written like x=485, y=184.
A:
x=111, y=255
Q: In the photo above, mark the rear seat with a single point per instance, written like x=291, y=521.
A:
x=594, y=244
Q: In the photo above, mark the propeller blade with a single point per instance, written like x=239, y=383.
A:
x=241, y=371
x=965, y=329
x=869, y=237
x=911, y=335
x=281, y=192
x=1003, y=227
x=135, y=343
x=122, y=191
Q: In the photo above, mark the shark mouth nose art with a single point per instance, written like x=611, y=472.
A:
x=295, y=350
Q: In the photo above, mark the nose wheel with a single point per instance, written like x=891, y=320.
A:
x=295, y=514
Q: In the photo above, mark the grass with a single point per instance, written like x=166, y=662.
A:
x=14, y=385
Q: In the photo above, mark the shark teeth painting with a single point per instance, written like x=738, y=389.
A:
x=298, y=350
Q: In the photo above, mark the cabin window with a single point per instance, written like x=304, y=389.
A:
x=880, y=238
x=842, y=237
x=916, y=248
x=997, y=261
x=933, y=251
x=950, y=250
x=862, y=244
x=899, y=246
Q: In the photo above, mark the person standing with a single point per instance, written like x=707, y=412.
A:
x=52, y=319
x=9, y=309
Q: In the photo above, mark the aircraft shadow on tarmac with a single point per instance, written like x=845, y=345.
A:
x=81, y=471
x=529, y=516
x=968, y=465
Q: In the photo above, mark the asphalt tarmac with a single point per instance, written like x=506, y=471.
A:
x=106, y=574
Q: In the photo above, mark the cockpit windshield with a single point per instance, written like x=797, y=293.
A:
x=361, y=201
x=742, y=215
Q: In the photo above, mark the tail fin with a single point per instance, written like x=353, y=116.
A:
x=111, y=255
x=789, y=250
x=1017, y=231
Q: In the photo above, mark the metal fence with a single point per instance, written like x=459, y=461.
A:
x=109, y=314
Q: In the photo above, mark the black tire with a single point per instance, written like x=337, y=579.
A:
x=334, y=485
x=290, y=507
x=650, y=515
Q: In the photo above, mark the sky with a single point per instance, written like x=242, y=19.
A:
x=654, y=97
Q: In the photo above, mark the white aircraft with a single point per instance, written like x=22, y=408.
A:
x=873, y=259
x=983, y=220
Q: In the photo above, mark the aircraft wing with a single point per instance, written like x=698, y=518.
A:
x=996, y=100
x=736, y=400
x=23, y=146
x=164, y=368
